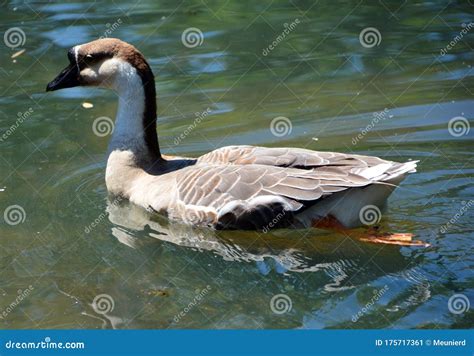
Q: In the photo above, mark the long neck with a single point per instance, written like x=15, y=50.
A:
x=135, y=124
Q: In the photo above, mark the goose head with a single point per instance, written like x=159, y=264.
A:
x=115, y=64
x=104, y=63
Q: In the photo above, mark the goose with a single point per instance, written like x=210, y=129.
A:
x=233, y=187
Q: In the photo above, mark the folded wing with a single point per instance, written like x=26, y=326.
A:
x=372, y=168
x=253, y=196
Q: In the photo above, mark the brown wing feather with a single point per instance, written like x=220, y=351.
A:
x=325, y=162
x=251, y=196
x=285, y=157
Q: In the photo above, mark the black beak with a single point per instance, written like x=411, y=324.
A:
x=68, y=78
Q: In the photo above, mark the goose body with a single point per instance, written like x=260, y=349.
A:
x=234, y=187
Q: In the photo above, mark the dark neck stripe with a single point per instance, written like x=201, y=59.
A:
x=149, y=114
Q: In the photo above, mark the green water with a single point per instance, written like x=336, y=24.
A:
x=71, y=246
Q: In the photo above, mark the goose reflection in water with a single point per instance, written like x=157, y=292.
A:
x=346, y=262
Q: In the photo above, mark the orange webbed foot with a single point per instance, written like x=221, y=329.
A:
x=400, y=239
x=372, y=235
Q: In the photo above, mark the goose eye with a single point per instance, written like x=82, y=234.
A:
x=89, y=59
x=93, y=58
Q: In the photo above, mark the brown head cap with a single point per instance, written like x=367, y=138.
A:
x=113, y=47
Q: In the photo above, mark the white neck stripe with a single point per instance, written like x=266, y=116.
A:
x=128, y=131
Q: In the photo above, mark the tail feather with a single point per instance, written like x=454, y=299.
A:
x=346, y=206
x=386, y=171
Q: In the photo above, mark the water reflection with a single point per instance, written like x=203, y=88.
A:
x=272, y=251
